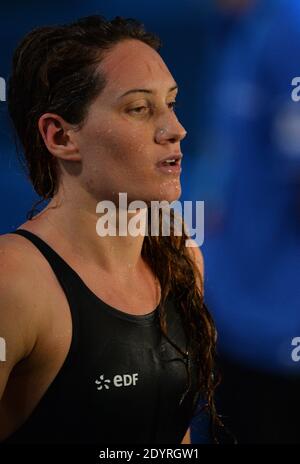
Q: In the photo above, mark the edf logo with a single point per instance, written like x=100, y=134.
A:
x=118, y=381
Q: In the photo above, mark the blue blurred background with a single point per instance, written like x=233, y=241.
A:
x=234, y=61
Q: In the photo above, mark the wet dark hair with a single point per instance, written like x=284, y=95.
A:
x=54, y=70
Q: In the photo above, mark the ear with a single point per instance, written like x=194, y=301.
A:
x=57, y=135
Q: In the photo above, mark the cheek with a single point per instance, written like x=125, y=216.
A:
x=125, y=145
x=116, y=141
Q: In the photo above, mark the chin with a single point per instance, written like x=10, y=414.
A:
x=170, y=191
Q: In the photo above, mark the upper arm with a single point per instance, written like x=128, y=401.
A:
x=16, y=322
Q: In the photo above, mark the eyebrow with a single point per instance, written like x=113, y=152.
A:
x=145, y=91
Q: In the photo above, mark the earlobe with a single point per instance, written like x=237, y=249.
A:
x=57, y=137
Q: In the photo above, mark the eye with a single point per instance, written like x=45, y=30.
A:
x=172, y=105
x=144, y=109
x=139, y=110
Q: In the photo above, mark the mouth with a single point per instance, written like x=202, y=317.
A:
x=171, y=164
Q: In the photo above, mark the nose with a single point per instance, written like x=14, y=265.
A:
x=170, y=131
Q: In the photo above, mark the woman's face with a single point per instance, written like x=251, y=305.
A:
x=126, y=136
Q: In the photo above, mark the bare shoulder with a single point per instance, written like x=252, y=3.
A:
x=18, y=262
x=18, y=254
x=13, y=246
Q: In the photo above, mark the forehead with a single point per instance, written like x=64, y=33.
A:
x=132, y=64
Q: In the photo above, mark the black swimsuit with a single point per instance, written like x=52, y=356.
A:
x=121, y=382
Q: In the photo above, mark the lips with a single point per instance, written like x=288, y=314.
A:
x=170, y=164
x=171, y=160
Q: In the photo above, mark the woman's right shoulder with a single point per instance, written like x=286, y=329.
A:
x=21, y=267
x=17, y=255
x=12, y=245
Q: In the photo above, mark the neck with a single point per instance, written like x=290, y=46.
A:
x=72, y=222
